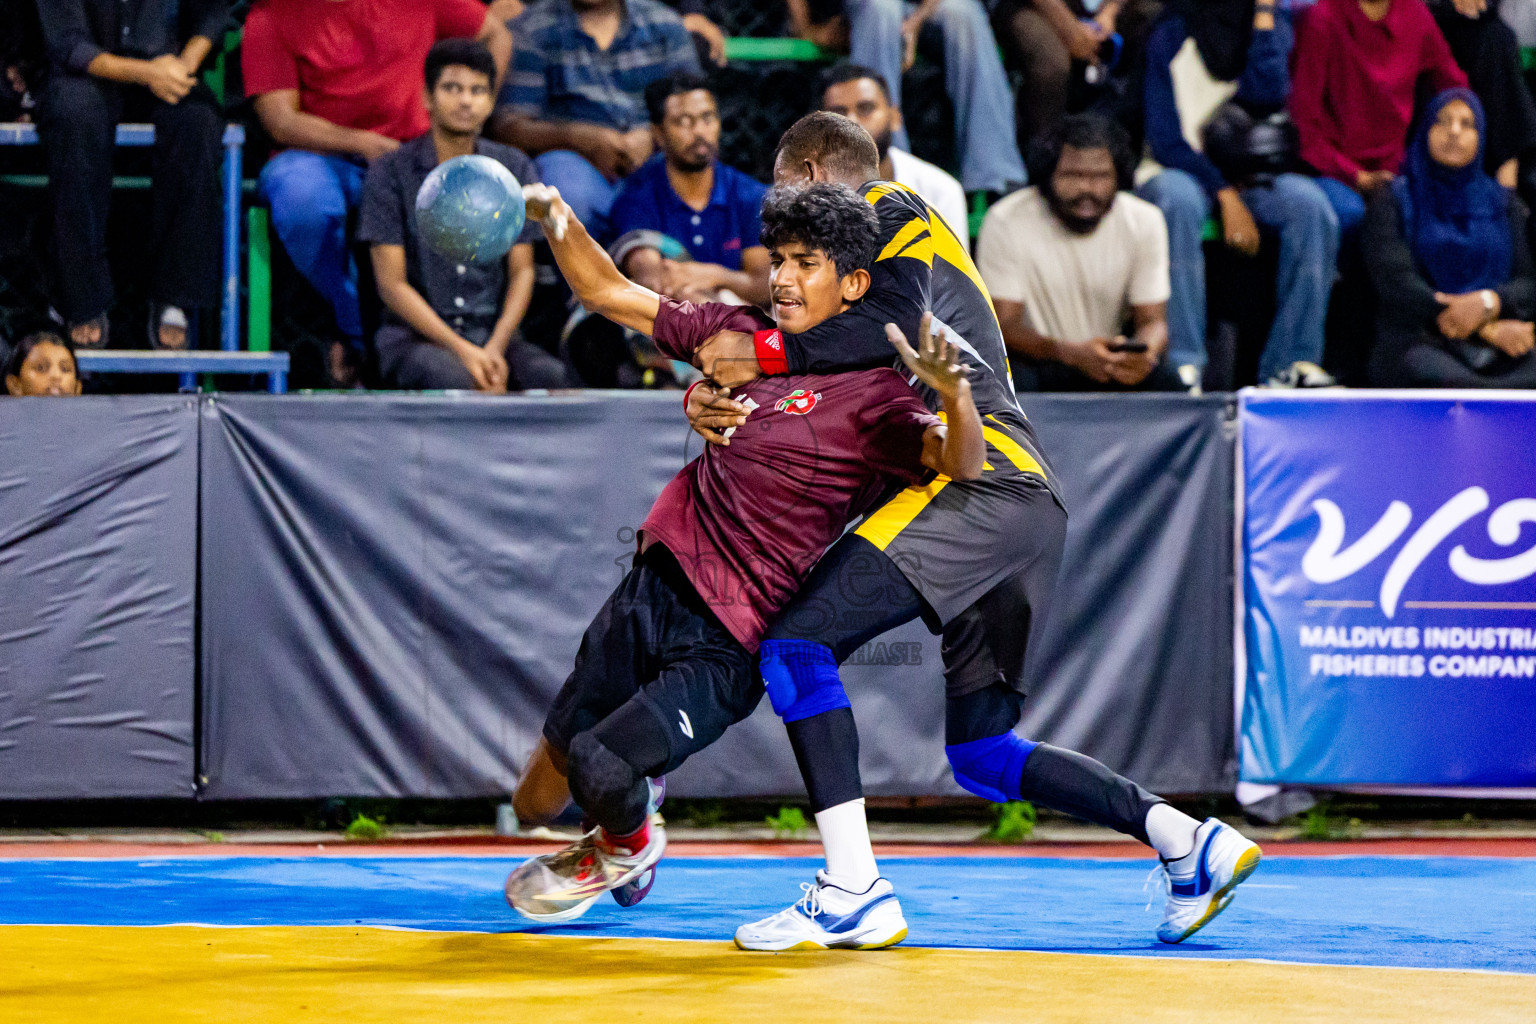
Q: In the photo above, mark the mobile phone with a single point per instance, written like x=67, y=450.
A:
x=1129, y=345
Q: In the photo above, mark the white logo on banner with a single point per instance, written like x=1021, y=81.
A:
x=1326, y=562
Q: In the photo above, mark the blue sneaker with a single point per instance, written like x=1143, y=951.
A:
x=1200, y=885
x=637, y=888
x=829, y=917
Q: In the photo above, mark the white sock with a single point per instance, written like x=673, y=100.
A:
x=1171, y=831
x=845, y=840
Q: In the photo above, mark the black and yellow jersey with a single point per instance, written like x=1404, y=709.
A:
x=922, y=265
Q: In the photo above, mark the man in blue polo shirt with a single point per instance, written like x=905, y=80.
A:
x=685, y=192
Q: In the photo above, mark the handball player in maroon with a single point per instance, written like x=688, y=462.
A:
x=747, y=520
x=669, y=661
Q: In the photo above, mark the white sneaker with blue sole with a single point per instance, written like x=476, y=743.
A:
x=1201, y=885
x=829, y=917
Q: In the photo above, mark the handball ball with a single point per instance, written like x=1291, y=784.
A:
x=470, y=208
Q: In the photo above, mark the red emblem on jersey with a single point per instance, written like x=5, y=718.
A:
x=799, y=402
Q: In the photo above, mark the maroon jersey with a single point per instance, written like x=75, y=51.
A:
x=748, y=520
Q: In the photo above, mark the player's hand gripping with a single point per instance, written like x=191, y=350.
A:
x=936, y=361
x=712, y=413
x=542, y=203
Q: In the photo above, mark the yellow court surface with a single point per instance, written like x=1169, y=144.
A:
x=54, y=975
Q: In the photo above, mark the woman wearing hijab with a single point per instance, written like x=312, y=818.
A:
x=1487, y=50
x=1446, y=248
x=1358, y=66
x=1203, y=55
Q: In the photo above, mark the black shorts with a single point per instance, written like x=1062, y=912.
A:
x=957, y=540
x=857, y=592
x=656, y=641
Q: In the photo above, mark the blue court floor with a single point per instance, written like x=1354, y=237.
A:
x=1429, y=912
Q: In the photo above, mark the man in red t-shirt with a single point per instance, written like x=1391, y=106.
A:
x=339, y=83
x=668, y=663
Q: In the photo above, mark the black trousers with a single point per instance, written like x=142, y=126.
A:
x=77, y=117
x=412, y=363
x=1415, y=359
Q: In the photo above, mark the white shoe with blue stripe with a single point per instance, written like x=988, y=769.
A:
x=828, y=917
x=1200, y=885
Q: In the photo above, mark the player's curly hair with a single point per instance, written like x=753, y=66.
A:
x=826, y=216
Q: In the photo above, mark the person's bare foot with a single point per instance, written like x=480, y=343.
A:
x=168, y=328
x=91, y=334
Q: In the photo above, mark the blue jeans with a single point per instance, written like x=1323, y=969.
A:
x=973, y=76
x=1299, y=212
x=582, y=186
x=311, y=195
x=1348, y=205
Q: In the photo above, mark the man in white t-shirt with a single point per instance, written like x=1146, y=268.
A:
x=860, y=93
x=1078, y=269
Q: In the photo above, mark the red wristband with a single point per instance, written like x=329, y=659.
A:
x=689, y=392
x=769, y=346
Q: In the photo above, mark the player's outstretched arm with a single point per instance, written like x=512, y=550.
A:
x=593, y=278
x=957, y=449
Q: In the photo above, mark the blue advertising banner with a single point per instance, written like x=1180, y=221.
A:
x=1389, y=589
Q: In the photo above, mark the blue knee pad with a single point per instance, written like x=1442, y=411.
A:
x=991, y=768
x=801, y=678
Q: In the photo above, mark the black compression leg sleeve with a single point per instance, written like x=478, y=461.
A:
x=827, y=749
x=1076, y=784
x=611, y=788
x=606, y=787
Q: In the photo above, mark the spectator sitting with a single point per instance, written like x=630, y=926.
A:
x=574, y=96
x=1202, y=55
x=1486, y=49
x=861, y=94
x=450, y=324
x=1358, y=64
x=1446, y=247
x=882, y=34
x=339, y=84
x=42, y=364
x=1045, y=38
x=114, y=60
x=686, y=192
x=1067, y=261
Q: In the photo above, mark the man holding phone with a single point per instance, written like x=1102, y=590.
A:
x=1078, y=269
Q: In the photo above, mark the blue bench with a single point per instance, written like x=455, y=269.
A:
x=189, y=364
x=16, y=134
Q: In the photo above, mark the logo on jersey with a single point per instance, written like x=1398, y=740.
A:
x=799, y=402
x=685, y=725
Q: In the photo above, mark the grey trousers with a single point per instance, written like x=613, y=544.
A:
x=412, y=363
